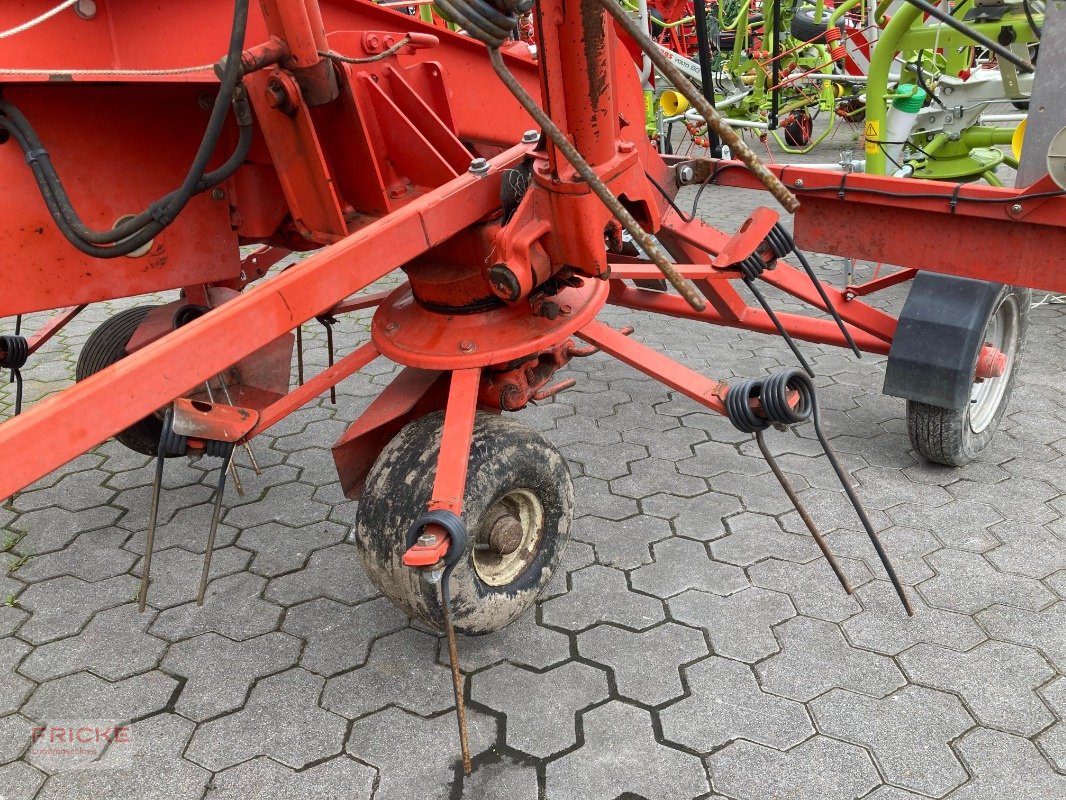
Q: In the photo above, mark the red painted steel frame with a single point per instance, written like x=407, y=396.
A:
x=990, y=233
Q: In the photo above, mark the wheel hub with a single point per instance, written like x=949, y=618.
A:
x=509, y=539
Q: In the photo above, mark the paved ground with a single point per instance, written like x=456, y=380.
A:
x=695, y=645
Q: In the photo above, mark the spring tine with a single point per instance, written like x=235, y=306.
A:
x=16, y=376
x=854, y=498
x=329, y=348
x=153, y=515
x=247, y=445
x=216, y=514
x=804, y=515
x=300, y=354
x=457, y=676
x=780, y=328
x=825, y=299
x=18, y=325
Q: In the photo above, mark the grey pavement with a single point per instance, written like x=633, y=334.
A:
x=693, y=643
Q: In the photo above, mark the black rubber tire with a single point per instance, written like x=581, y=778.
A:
x=805, y=27
x=504, y=456
x=797, y=129
x=105, y=346
x=655, y=22
x=944, y=435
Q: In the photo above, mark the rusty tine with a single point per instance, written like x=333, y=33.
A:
x=804, y=515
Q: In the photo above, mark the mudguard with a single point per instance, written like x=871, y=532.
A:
x=940, y=333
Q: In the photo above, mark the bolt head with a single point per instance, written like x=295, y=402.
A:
x=1016, y=208
x=530, y=137
x=217, y=194
x=427, y=540
x=467, y=346
x=479, y=167
x=799, y=183
x=626, y=147
x=433, y=575
x=392, y=327
x=686, y=174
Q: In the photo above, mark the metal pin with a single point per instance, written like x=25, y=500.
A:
x=216, y=514
x=247, y=445
x=818, y=538
x=300, y=354
x=153, y=514
x=232, y=466
x=457, y=681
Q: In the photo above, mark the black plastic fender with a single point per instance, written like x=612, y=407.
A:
x=940, y=333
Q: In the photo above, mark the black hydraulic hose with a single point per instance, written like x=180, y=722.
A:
x=990, y=44
x=142, y=228
x=703, y=48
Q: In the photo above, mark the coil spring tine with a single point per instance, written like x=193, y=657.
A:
x=780, y=328
x=215, y=516
x=457, y=673
x=247, y=445
x=300, y=354
x=886, y=562
x=773, y=393
x=232, y=465
x=804, y=515
x=153, y=510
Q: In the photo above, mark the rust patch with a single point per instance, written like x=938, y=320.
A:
x=594, y=39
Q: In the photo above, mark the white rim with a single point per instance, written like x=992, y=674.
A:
x=1001, y=333
x=509, y=538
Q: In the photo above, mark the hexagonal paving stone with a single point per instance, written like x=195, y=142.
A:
x=619, y=755
x=523, y=642
x=697, y=518
x=646, y=666
x=417, y=757
x=279, y=549
x=540, y=706
x=335, y=572
x=20, y=780
x=681, y=564
x=813, y=587
x=290, y=504
x=1029, y=550
x=62, y=606
x=996, y=680
x=402, y=670
x=84, y=696
x=114, y=645
x=908, y=733
x=815, y=658
x=818, y=769
x=968, y=583
x=232, y=607
x=220, y=671
x=754, y=537
x=175, y=576
x=340, y=778
x=600, y=594
x=93, y=556
x=53, y=528
x=623, y=544
x=1006, y=766
x=884, y=627
x=148, y=767
x=907, y=548
x=13, y=687
x=726, y=703
x=1042, y=630
x=281, y=720
x=338, y=636
x=741, y=625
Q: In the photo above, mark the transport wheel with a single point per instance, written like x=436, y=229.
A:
x=806, y=28
x=104, y=347
x=797, y=128
x=518, y=509
x=957, y=436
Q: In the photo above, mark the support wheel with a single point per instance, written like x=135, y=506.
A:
x=805, y=28
x=957, y=436
x=518, y=509
x=797, y=128
x=104, y=347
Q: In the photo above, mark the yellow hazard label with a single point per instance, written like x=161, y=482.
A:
x=872, y=136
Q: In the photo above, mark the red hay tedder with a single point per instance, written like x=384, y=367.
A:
x=384, y=143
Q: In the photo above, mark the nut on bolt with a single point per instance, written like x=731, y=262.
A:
x=479, y=167
x=530, y=137
x=685, y=174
